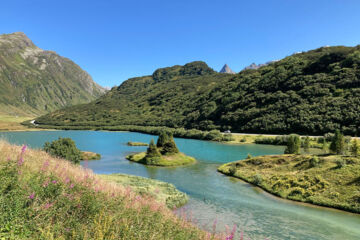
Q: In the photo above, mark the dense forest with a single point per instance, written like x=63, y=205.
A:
x=312, y=92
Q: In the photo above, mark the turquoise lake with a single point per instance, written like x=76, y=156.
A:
x=213, y=196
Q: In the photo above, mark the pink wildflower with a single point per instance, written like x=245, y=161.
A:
x=23, y=149
x=31, y=196
x=54, y=181
x=71, y=185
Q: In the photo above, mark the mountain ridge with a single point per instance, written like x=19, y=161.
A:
x=311, y=93
x=35, y=81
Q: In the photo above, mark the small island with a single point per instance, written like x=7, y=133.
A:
x=328, y=179
x=86, y=156
x=165, y=153
x=137, y=144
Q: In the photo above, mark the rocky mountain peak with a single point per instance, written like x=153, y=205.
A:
x=227, y=69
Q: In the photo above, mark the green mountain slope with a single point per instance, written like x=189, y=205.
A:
x=34, y=81
x=313, y=92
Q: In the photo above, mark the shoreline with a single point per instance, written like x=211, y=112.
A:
x=266, y=185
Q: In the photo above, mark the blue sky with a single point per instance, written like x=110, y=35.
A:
x=116, y=40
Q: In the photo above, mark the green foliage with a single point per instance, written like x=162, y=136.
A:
x=41, y=82
x=169, y=146
x=355, y=148
x=69, y=204
x=340, y=163
x=163, y=138
x=257, y=180
x=324, y=146
x=307, y=144
x=63, y=148
x=314, y=161
x=293, y=144
x=152, y=154
x=310, y=93
x=326, y=180
x=337, y=145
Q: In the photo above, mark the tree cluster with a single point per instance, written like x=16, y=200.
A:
x=63, y=148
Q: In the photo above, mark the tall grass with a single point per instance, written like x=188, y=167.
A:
x=48, y=198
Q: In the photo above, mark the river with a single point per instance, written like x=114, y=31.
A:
x=213, y=196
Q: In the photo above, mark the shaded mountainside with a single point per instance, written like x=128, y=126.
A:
x=312, y=92
x=34, y=81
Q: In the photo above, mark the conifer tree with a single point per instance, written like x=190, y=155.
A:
x=152, y=150
x=163, y=138
x=307, y=144
x=324, y=146
x=355, y=148
x=337, y=145
x=293, y=144
x=170, y=146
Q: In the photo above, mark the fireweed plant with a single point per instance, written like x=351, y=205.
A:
x=42, y=197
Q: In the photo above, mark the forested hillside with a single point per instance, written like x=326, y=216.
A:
x=34, y=81
x=312, y=92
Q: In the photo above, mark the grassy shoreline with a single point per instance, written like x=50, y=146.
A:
x=304, y=178
x=163, y=192
x=49, y=198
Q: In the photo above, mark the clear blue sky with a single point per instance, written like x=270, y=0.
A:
x=116, y=40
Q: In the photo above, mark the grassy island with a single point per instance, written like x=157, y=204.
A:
x=137, y=144
x=328, y=180
x=161, y=191
x=165, y=153
x=90, y=156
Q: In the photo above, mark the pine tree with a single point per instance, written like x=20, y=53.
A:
x=307, y=144
x=152, y=150
x=355, y=148
x=163, y=138
x=293, y=144
x=324, y=146
x=337, y=145
x=170, y=146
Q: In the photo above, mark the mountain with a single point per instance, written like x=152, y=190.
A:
x=227, y=69
x=313, y=93
x=34, y=81
x=257, y=66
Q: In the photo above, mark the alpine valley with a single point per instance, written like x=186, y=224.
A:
x=312, y=92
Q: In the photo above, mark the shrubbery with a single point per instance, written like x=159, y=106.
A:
x=64, y=148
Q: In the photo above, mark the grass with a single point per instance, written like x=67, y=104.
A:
x=42, y=197
x=162, y=192
x=325, y=180
x=13, y=123
x=90, y=156
x=136, y=144
x=178, y=159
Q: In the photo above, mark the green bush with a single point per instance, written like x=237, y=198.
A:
x=314, y=161
x=63, y=148
x=293, y=144
x=257, y=179
x=340, y=163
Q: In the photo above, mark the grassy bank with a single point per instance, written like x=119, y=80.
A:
x=177, y=159
x=163, y=192
x=13, y=123
x=213, y=135
x=47, y=198
x=331, y=181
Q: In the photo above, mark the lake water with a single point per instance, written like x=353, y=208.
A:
x=213, y=196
